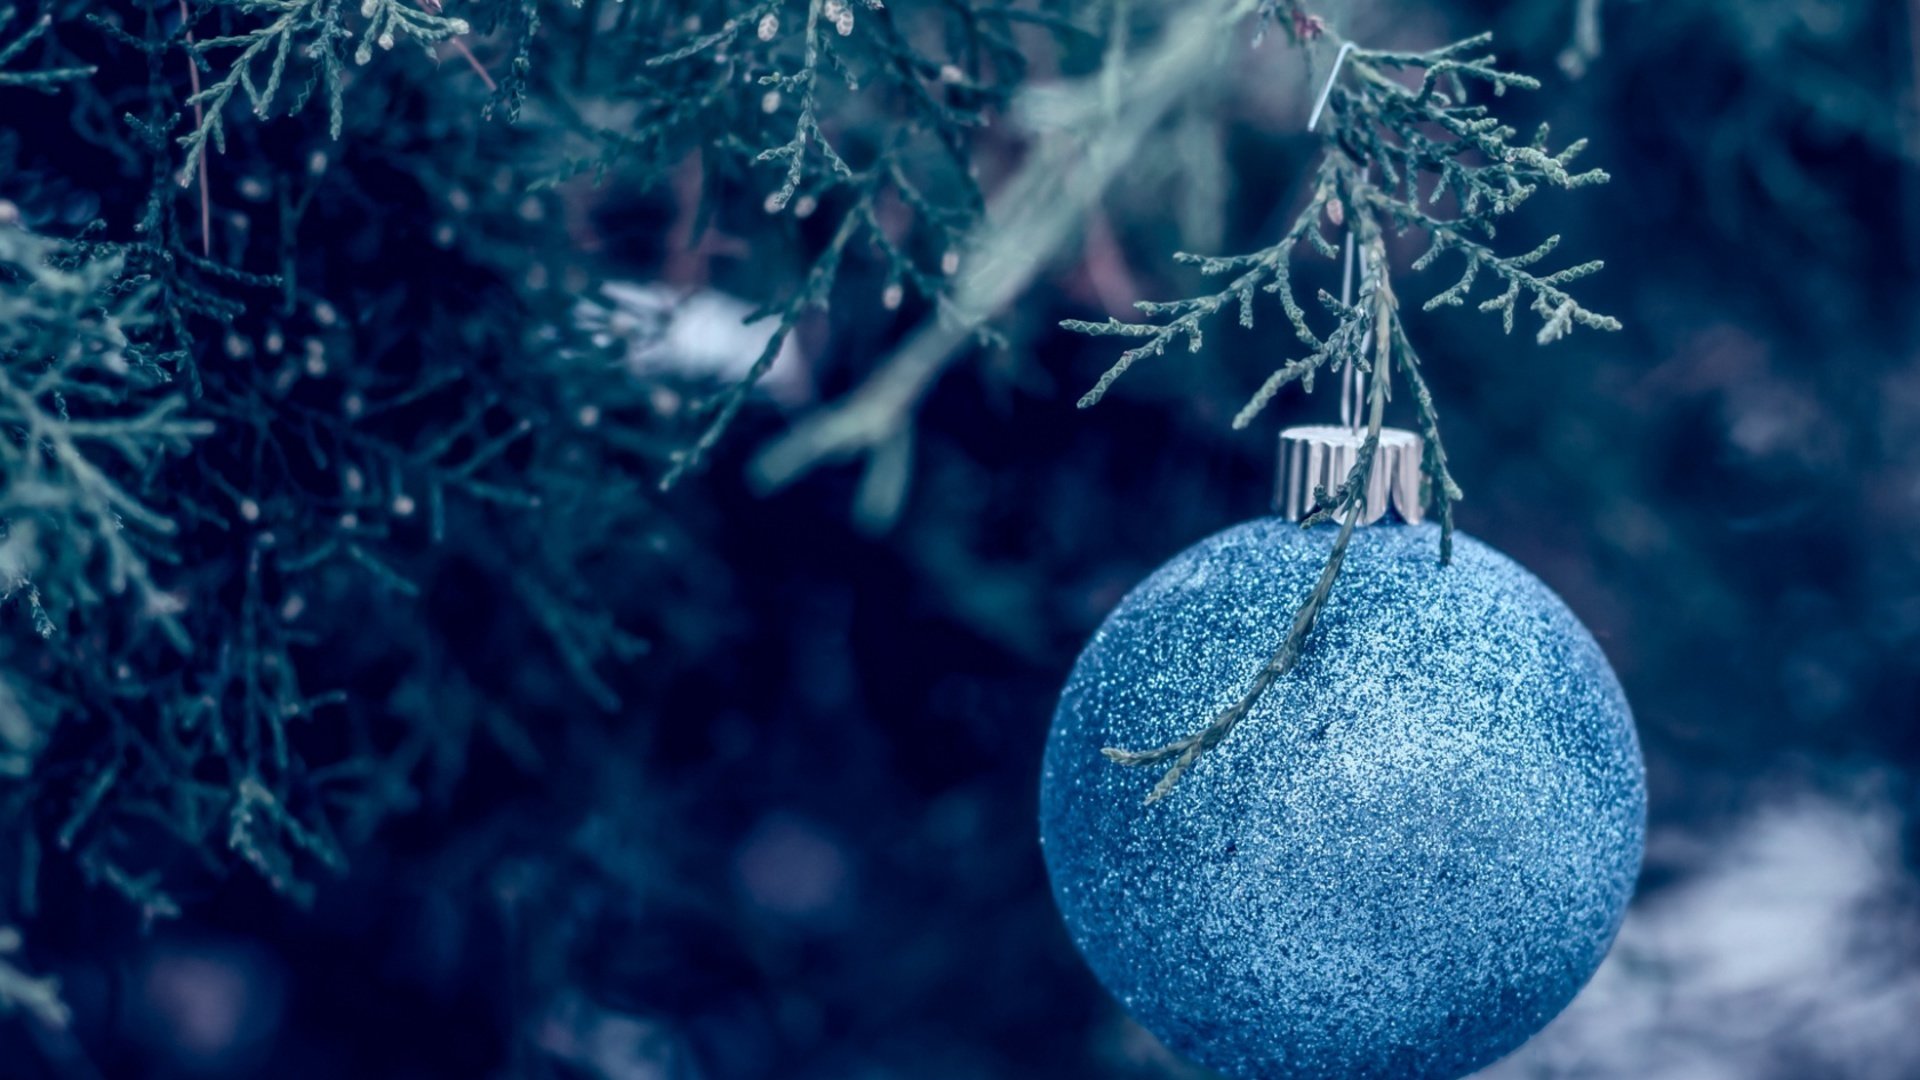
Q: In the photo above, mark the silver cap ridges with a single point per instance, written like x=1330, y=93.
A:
x=1321, y=455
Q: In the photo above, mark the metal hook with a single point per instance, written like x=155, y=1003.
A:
x=1327, y=91
x=1350, y=391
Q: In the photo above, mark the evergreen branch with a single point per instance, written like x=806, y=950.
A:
x=1386, y=139
x=1349, y=498
x=806, y=129
x=46, y=80
x=64, y=341
x=1558, y=310
x=1263, y=270
x=812, y=294
x=1433, y=453
x=257, y=812
x=1382, y=126
x=159, y=578
x=320, y=29
x=761, y=16
x=584, y=637
x=1300, y=370
x=943, y=100
x=142, y=891
x=36, y=995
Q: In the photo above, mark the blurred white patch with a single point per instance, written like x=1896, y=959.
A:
x=209, y=1008
x=609, y=1045
x=701, y=334
x=790, y=868
x=1793, y=951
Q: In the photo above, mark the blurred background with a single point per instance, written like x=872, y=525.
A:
x=804, y=845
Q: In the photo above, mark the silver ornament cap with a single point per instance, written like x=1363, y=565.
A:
x=1321, y=455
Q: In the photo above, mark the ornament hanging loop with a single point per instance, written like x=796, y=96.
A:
x=1326, y=92
x=1352, y=391
x=1319, y=457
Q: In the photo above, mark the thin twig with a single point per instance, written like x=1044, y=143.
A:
x=433, y=7
x=199, y=121
x=478, y=68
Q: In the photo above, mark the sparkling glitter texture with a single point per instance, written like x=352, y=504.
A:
x=1407, y=857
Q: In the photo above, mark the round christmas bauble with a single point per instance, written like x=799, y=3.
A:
x=1405, y=859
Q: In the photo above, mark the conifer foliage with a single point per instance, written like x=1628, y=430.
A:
x=275, y=396
x=1415, y=153
x=299, y=421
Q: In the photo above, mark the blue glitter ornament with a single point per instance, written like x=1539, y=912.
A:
x=1406, y=858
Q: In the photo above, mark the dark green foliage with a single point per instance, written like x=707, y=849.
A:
x=316, y=32
x=220, y=471
x=403, y=511
x=92, y=418
x=236, y=442
x=248, y=467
